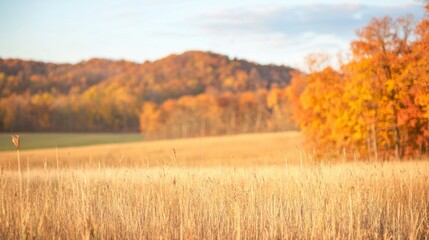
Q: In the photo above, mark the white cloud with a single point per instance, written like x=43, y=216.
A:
x=285, y=34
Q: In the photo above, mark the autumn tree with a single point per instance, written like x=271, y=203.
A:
x=384, y=46
x=375, y=106
x=319, y=107
x=415, y=113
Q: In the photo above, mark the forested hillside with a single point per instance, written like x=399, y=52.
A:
x=115, y=96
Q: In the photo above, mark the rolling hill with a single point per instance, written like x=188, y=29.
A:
x=103, y=95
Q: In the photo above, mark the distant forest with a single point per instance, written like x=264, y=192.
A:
x=191, y=94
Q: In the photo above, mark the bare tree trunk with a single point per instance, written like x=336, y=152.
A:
x=397, y=140
x=397, y=145
x=203, y=128
x=374, y=141
x=258, y=119
x=368, y=146
x=183, y=131
x=232, y=123
x=125, y=121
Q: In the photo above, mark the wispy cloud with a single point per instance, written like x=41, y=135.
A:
x=295, y=30
x=339, y=19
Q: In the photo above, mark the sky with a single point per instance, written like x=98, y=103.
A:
x=267, y=32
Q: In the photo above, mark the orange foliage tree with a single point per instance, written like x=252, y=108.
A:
x=376, y=105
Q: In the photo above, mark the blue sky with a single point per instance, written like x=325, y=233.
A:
x=270, y=31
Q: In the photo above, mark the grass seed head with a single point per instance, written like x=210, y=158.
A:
x=15, y=141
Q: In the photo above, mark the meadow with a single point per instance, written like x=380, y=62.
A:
x=52, y=140
x=255, y=186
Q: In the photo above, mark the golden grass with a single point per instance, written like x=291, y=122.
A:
x=354, y=201
x=282, y=201
x=238, y=150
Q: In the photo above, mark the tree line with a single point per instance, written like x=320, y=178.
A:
x=226, y=113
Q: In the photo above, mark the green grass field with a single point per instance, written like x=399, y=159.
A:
x=52, y=140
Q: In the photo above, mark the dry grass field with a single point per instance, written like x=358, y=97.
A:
x=239, y=150
x=236, y=187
